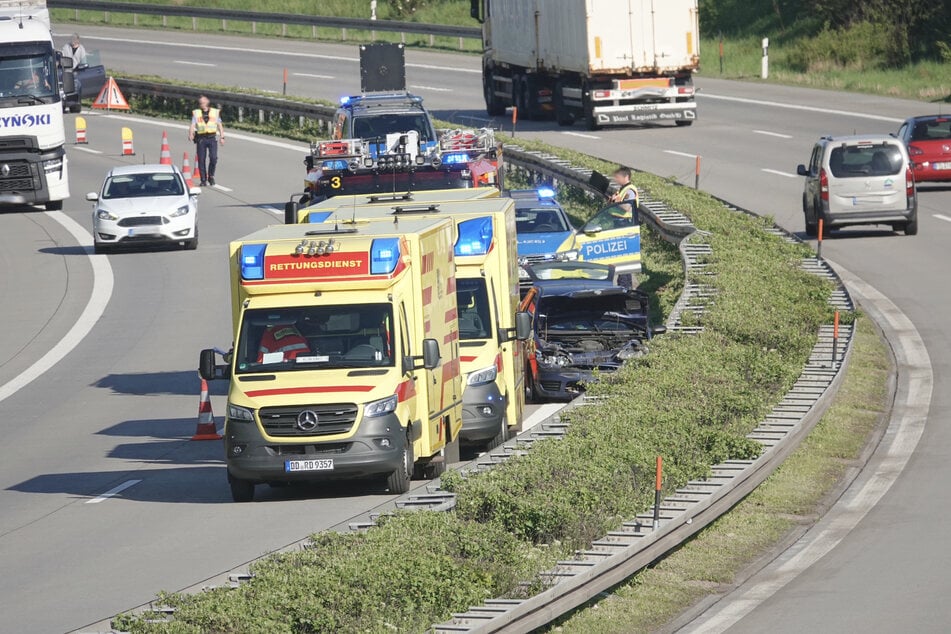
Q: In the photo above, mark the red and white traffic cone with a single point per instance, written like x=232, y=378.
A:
x=206, y=429
x=165, y=158
x=196, y=174
x=187, y=171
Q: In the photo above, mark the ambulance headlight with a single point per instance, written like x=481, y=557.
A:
x=483, y=376
x=381, y=408
x=181, y=211
x=240, y=413
x=475, y=237
x=102, y=214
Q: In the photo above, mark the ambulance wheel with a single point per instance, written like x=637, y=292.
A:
x=399, y=481
x=502, y=436
x=54, y=205
x=241, y=490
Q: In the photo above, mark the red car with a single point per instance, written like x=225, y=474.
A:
x=928, y=140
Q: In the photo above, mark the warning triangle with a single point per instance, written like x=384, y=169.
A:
x=110, y=97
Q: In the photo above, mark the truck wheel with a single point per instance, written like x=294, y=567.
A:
x=590, y=121
x=563, y=115
x=911, y=227
x=683, y=124
x=54, y=205
x=241, y=490
x=493, y=106
x=399, y=481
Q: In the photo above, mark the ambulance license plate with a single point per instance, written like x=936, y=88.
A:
x=144, y=231
x=293, y=466
x=942, y=166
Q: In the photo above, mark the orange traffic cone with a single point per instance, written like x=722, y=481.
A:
x=206, y=418
x=187, y=171
x=166, y=155
x=196, y=174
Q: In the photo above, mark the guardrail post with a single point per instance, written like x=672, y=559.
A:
x=313, y=30
x=224, y=24
x=432, y=40
x=194, y=23
x=302, y=122
x=373, y=35
x=240, y=114
x=105, y=16
x=254, y=28
x=343, y=34
x=402, y=37
x=135, y=19
x=260, y=116
x=164, y=20
x=461, y=44
x=76, y=14
x=283, y=30
x=658, y=485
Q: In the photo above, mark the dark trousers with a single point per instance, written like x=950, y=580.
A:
x=207, y=148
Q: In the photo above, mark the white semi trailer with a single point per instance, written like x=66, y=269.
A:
x=604, y=62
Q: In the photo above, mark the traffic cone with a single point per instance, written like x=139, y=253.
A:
x=206, y=429
x=166, y=155
x=81, y=131
x=196, y=174
x=187, y=171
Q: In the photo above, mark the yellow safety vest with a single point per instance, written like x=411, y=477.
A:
x=624, y=211
x=206, y=128
x=622, y=194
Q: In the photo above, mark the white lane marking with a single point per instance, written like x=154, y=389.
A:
x=676, y=153
x=222, y=188
x=907, y=424
x=231, y=135
x=433, y=88
x=273, y=210
x=793, y=106
x=779, y=173
x=86, y=149
x=181, y=61
x=541, y=414
x=113, y=492
x=778, y=135
x=335, y=58
x=581, y=135
x=312, y=75
x=943, y=217
x=101, y=292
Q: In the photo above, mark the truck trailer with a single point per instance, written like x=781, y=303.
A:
x=603, y=62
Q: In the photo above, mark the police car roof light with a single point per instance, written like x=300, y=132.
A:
x=384, y=255
x=252, y=261
x=475, y=237
x=345, y=100
x=546, y=192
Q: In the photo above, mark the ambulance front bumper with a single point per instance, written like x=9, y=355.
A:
x=483, y=408
x=376, y=449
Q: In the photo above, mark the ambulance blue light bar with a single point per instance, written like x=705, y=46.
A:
x=455, y=158
x=384, y=255
x=546, y=192
x=475, y=237
x=316, y=217
x=252, y=261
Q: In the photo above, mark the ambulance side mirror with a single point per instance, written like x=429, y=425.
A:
x=523, y=326
x=290, y=212
x=207, y=367
x=430, y=354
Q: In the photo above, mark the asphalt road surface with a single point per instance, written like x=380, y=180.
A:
x=118, y=407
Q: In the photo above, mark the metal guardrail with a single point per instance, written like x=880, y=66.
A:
x=254, y=17
x=621, y=553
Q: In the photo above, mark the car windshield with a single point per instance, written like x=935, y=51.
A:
x=27, y=75
x=142, y=185
x=315, y=338
x=475, y=322
x=540, y=220
x=932, y=130
x=377, y=126
x=605, y=313
x=872, y=159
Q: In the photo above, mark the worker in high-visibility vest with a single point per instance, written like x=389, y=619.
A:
x=626, y=199
x=206, y=132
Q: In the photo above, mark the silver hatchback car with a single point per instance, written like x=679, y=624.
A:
x=859, y=180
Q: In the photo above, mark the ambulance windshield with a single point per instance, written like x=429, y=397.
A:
x=473, y=301
x=316, y=338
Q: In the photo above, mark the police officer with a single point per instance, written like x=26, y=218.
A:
x=626, y=199
x=206, y=131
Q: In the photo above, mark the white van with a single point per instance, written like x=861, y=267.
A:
x=859, y=180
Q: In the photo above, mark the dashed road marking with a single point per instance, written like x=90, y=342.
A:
x=580, y=135
x=313, y=76
x=113, y=492
x=222, y=188
x=943, y=217
x=433, y=88
x=778, y=135
x=779, y=173
x=676, y=153
x=86, y=149
x=187, y=63
x=794, y=106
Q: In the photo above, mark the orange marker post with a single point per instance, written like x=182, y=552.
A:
x=514, y=119
x=81, y=130
x=696, y=176
x=285, y=82
x=835, y=339
x=658, y=485
x=821, y=230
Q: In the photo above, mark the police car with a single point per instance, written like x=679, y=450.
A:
x=545, y=234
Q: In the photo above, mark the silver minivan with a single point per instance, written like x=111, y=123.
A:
x=859, y=180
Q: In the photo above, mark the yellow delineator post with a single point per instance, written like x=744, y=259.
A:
x=127, y=149
x=81, y=130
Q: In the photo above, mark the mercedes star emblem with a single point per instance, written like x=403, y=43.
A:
x=307, y=420
x=5, y=170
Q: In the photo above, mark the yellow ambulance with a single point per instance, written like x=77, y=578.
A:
x=487, y=293
x=346, y=355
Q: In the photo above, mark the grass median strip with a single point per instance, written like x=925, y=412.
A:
x=692, y=400
x=791, y=497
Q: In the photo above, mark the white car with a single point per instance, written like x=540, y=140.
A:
x=144, y=205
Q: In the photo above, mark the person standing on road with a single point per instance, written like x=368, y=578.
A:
x=206, y=132
x=74, y=50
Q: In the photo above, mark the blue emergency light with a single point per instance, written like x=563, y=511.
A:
x=384, y=255
x=455, y=158
x=338, y=164
x=546, y=192
x=475, y=237
x=252, y=261
x=344, y=100
x=316, y=217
